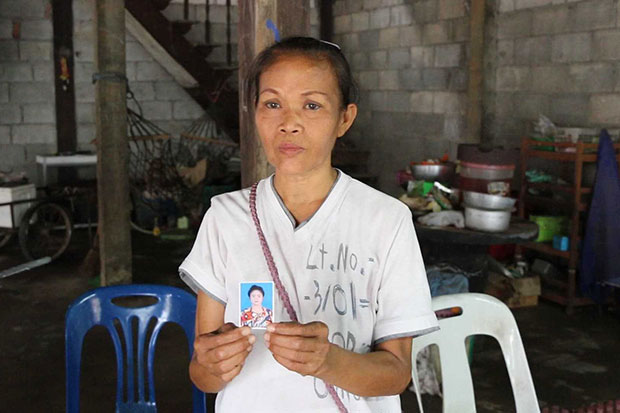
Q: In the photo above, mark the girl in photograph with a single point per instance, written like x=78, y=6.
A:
x=350, y=285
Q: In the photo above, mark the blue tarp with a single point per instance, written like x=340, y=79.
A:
x=601, y=243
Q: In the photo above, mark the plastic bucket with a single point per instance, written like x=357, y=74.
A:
x=485, y=171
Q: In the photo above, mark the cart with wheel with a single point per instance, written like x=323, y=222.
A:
x=44, y=227
x=43, y=219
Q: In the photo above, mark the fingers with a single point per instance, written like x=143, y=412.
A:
x=299, y=356
x=304, y=352
x=300, y=368
x=314, y=329
x=224, y=351
x=225, y=367
x=224, y=335
x=295, y=343
x=231, y=374
x=305, y=363
x=228, y=327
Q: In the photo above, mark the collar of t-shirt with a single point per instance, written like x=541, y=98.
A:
x=297, y=227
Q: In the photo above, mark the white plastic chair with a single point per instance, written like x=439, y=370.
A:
x=484, y=315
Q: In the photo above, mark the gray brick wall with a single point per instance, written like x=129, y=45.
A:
x=27, y=109
x=560, y=58
x=27, y=112
x=410, y=59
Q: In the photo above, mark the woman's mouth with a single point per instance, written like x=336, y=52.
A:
x=290, y=148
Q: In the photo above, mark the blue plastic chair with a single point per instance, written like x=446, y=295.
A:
x=96, y=308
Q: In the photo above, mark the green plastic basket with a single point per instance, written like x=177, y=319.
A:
x=549, y=225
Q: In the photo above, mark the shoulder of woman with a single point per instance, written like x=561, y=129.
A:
x=230, y=203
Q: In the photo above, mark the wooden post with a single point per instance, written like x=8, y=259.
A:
x=112, y=148
x=326, y=19
x=475, y=89
x=290, y=17
x=64, y=84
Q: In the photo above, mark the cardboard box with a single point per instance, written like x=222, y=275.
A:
x=522, y=301
x=515, y=292
x=12, y=194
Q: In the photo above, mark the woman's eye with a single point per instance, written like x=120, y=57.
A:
x=272, y=105
x=313, y=106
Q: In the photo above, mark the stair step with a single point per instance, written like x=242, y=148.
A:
x=216, y=93
x=161, y=4
x=224, y=67
x=204, y=49
x=183, y=26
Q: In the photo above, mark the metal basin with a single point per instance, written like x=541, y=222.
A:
x=442, y=172
x=488, y=201
x=485, y=220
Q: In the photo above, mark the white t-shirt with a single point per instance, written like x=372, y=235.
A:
x=354, y=265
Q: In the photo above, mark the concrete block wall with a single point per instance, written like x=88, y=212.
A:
x=27, y=109
x=410, y=60
x=560, y=58
x=27, y=96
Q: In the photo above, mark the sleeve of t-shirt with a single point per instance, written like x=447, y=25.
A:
x=403, y=299
x=204, y=268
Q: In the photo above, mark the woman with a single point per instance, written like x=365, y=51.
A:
x=347, y=256
x=256, y=315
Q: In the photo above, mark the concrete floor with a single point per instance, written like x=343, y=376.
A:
x=573, y=359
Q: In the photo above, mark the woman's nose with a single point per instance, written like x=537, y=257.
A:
x=290, y=122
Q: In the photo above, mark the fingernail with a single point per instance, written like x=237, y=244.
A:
x=271, y=328
x=252, y=339
x=245, y=331
x=249, y=348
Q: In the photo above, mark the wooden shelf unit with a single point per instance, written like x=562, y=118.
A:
x=578, y=154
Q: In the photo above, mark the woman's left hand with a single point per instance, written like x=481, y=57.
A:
x=302, y=348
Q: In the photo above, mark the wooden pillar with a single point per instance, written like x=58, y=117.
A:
x=326, y=19
x=64, y=84
x=290, y=18
x=475, y=89
x=112, y=148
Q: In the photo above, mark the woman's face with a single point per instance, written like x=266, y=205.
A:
x=299, y=114
x=256, y=298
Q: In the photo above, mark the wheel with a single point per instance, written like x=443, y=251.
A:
x=5, y=236
x=45, y=231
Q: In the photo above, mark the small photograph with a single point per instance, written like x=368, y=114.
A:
x=256, y=304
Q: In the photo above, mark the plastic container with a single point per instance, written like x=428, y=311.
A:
x=486, y=171
x=12, y=194
x=549, y=226
x=561, y=242
x=496, y=187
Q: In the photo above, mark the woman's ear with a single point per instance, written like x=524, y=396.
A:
x=347, y=118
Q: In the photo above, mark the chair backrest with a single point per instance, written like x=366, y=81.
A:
x=481, y=315
x=96, y=308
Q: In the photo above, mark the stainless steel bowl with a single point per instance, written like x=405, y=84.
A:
x=485, y=220
x=442, y=172
x=488, y=201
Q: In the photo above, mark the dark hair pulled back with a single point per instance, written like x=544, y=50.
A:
x=308, y=47
x=256, y=288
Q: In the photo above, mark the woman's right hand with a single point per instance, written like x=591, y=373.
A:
x=223, y=351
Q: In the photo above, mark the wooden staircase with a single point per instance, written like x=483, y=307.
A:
x=216, y=89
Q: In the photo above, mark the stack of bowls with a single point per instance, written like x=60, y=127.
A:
x=485, y=212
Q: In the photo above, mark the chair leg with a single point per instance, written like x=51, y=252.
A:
x=416, y=386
